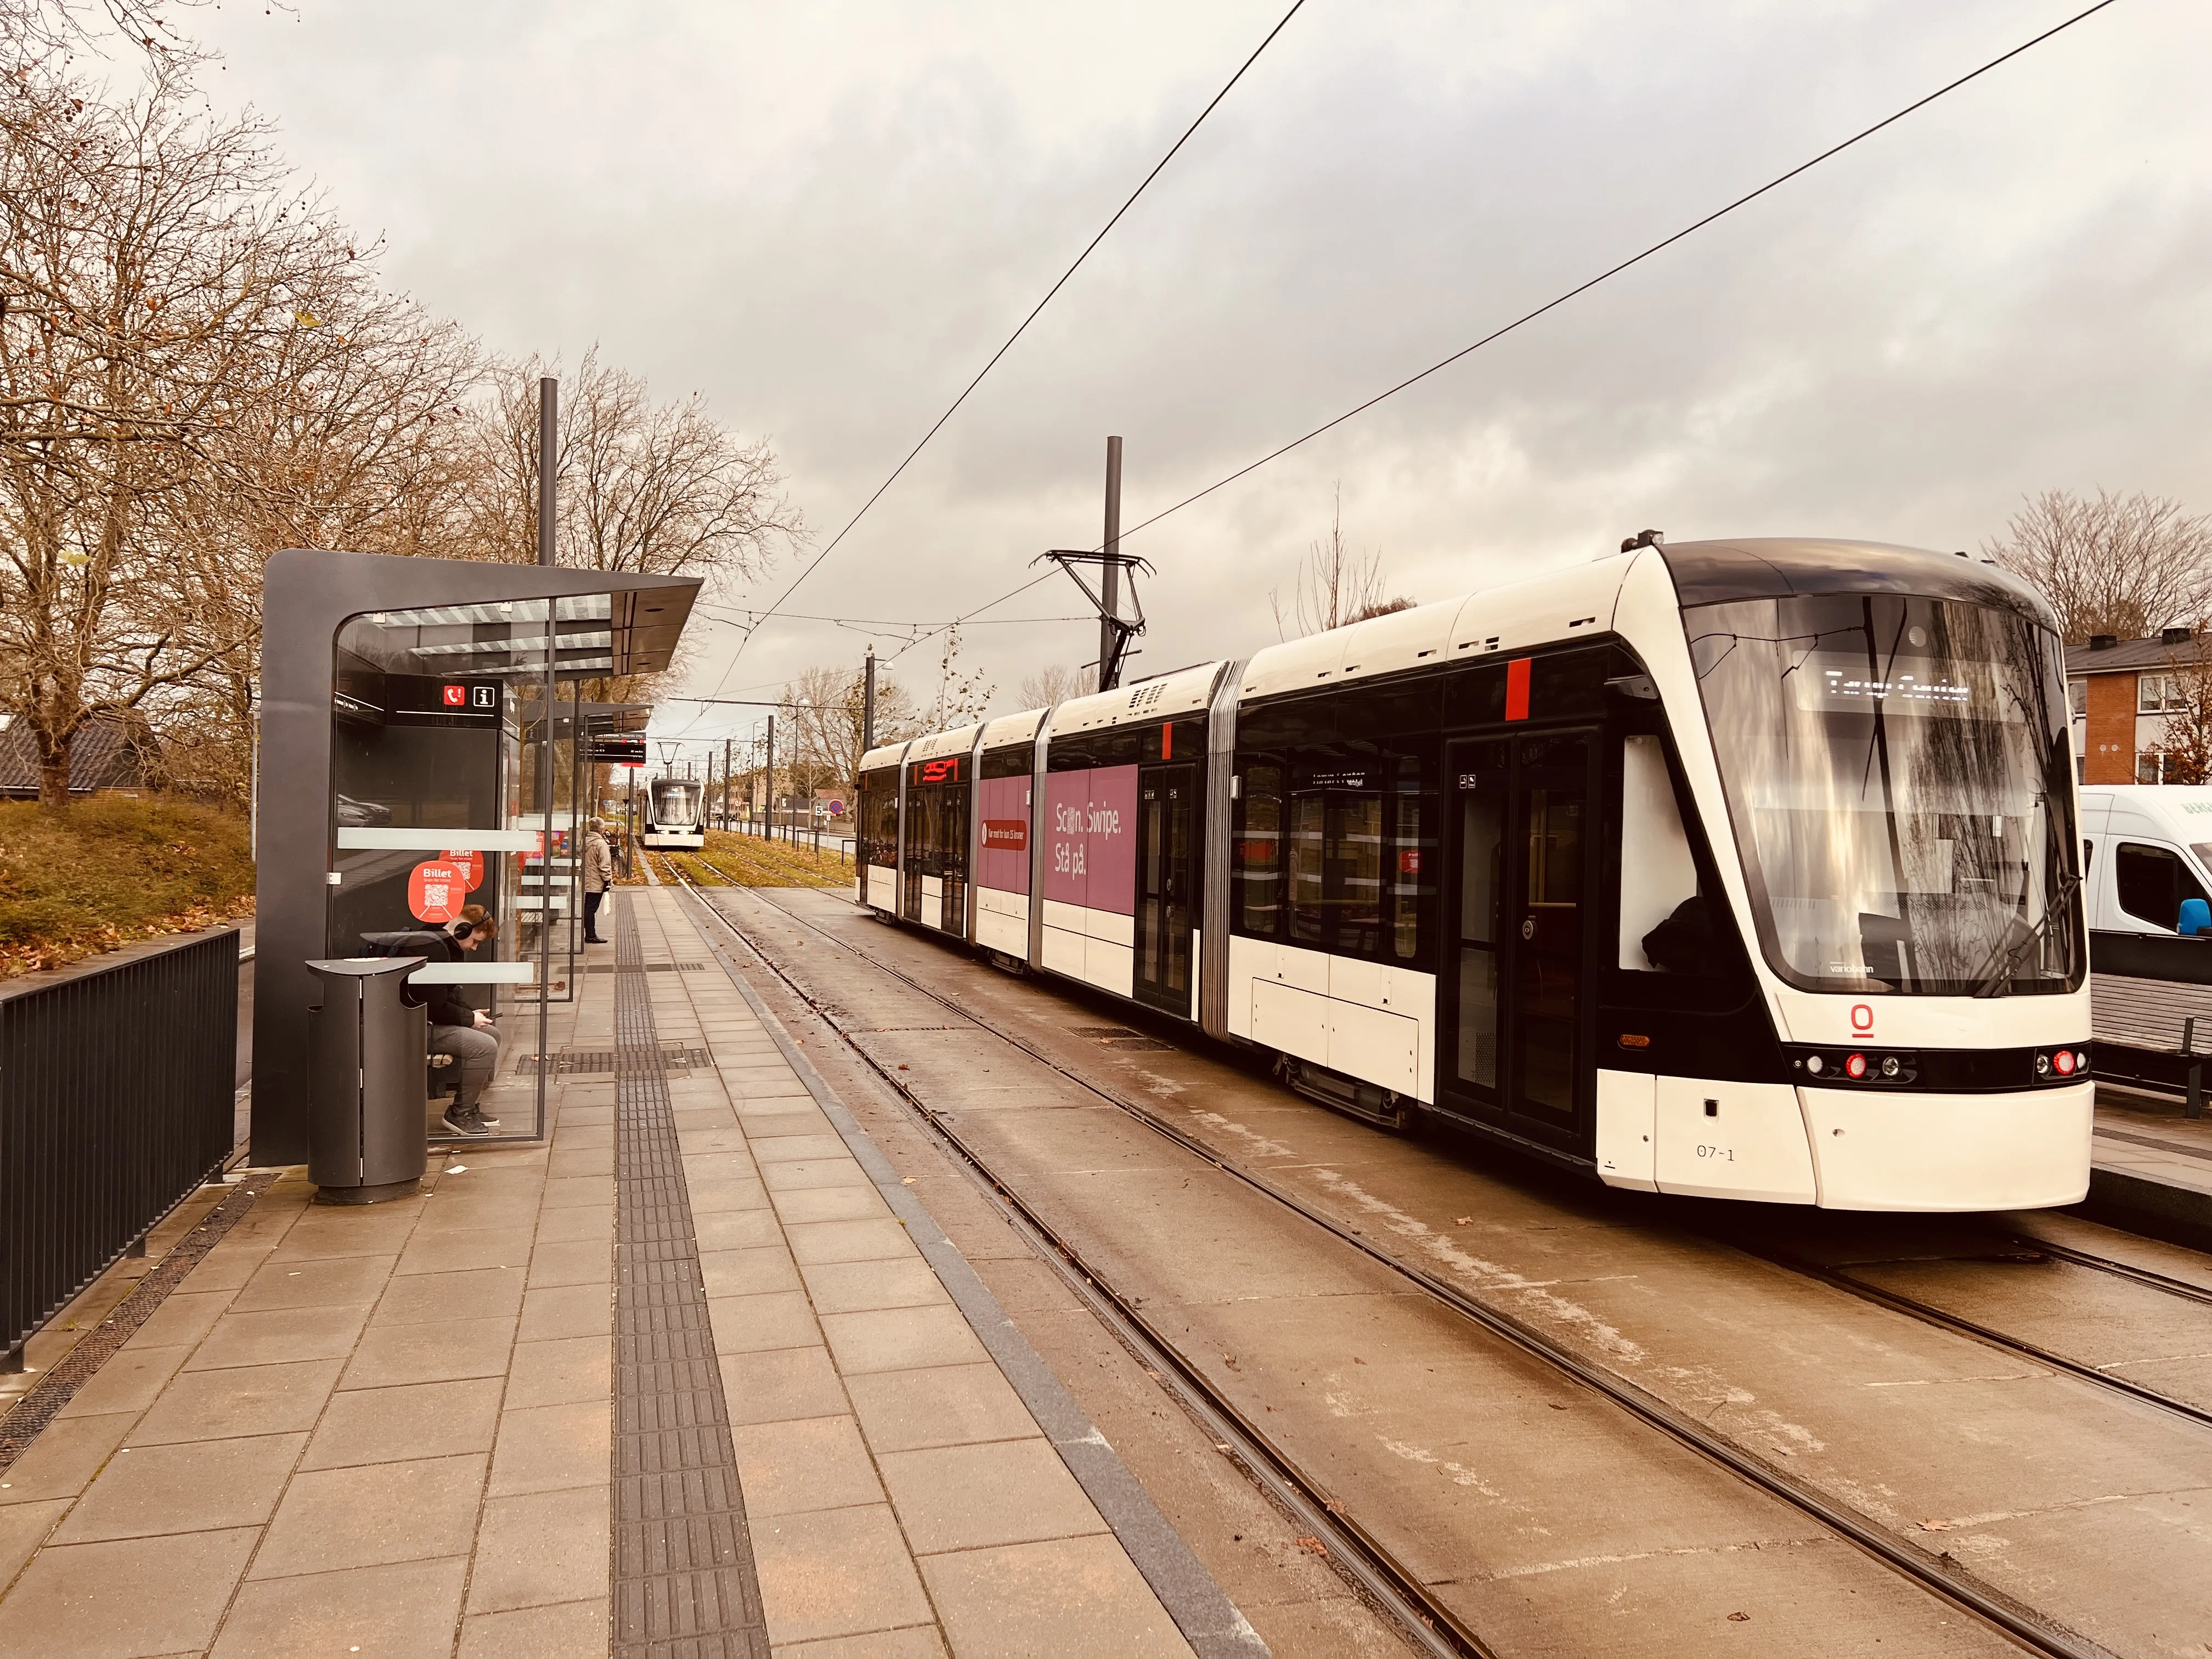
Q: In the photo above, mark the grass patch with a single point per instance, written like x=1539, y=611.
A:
x=749, y=861
x=111, y=870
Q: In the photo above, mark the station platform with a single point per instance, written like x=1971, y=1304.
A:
x=698, y=1374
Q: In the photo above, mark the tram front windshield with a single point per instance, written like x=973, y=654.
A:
x=1899, y=777
x=676, y=803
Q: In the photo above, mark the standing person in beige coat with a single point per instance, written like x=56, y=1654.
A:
x=598, y=872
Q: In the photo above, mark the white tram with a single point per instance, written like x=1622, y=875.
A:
x=672, y=823
x=1739, y=869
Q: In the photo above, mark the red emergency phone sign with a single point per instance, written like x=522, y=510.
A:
x=456, y=696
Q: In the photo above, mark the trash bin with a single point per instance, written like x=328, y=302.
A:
x=368, y=1105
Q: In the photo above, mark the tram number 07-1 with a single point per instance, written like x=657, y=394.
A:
x=1725, y=1154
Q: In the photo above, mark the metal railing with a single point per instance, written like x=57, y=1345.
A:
x=116, y=1091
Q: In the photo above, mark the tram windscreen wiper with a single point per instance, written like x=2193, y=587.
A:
x=1996, y=973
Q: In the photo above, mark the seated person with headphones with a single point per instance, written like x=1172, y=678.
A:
x=458, y=1030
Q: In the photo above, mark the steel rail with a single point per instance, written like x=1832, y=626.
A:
x=2156, y=1280
x=1368, y=1565
x=1936, y=1573
x=1929, y=1314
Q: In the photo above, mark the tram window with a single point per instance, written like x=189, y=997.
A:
x=2153, y=881
x=1658, y=873
x=1309, y=864
x=1259, y=851
x=1016, y=760
x=1352, y=871
x=1412, y=875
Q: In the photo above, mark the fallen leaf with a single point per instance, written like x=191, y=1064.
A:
x=906, y=1181
x=1934, y=1526
x=1464, y=1221
x=1739, y=1617
x=1314, y=1545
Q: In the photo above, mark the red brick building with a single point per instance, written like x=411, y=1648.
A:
x=2122, y=693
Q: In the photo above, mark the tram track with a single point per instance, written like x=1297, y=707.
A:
x=1836, y=1276
x=1936, y=1574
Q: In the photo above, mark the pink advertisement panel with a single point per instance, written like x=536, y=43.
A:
x=1003, y=857
x=1090, y=839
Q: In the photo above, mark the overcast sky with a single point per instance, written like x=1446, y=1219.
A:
x=826, y=216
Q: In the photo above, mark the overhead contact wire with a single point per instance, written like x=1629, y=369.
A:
x=1088, y=247
x=1608, y=275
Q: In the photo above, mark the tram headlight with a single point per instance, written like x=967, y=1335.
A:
x=1815, y=1065
x=1855, y=1067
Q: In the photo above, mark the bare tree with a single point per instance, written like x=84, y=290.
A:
x=1054, y=683
x=660, y=488
x=963, y=694
x=1336, y=586
x=2128, y=565
x=155, y=267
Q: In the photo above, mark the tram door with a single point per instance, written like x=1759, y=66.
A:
x=1514, y=991
x=1165, y=881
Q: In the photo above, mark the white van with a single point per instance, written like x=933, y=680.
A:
x=2146, y=847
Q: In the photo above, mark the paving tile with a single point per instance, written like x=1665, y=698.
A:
x=914, y=1642
x=1003, y=1492
x=855, y=1286
x=542, y=1548
x=802, y=1464
x=797, y=1176
x=737, y=1230
x=24, y=1528
x=777, y=1125
x=588, y=1261
x=1067, y=1597
x=568, y=1192
x=558, y=1310
x=580, y=1161
x=794, y=1148
x=331, y=1282
x=65, y=1605
x=947, y=1406
x=393, y=1354
x=230, y=1263
x=748, y=1272
x=776, y=1383
x=724, y=1164
x=573, y=1630
x=348, y=1230
x=62, y=1461
x=244, y=1400
x=577, y=1223
x=463, y=1250
x=548, y=1448
x=499, y=1212
x=416, y=1420
x=429, y=1299
x=182, y=1319
x=561, y=1373
x=279, y=1335
x=148, y=1491
x=900, y=1339
x=709, y=1196
x=404, y=1608
x=831, y=1204
x=128, y=1381
x=838, y=1572
x=882, y=1239
x=748, y=1324
x=372, y=1514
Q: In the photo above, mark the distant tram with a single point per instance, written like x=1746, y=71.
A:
x=671, y=815
x=1743, y=869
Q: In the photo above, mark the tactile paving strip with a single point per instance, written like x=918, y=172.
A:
x=684, y=1584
